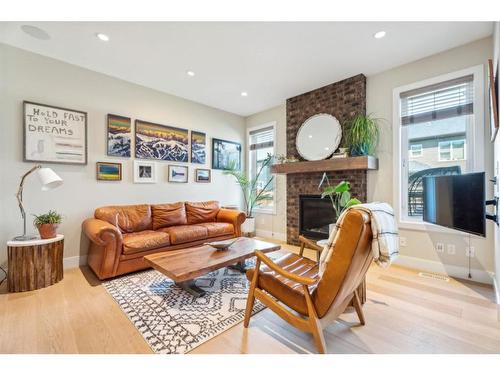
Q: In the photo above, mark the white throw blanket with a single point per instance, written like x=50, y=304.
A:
x=385, y=243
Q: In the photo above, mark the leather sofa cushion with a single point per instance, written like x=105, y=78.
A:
x=218, y=229
x=285, y=290
x=145, y=240
x=128, y=219
x=201, y=212
x=185, y=233
x=169, y=214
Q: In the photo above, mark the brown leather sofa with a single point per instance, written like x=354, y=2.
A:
x=120, y=236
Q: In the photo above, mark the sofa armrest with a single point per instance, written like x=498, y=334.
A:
x=234, y=217
x=105, y=247
x=101, y=232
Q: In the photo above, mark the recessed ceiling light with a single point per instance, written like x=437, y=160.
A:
x=190, y=73
x=379, y=35
x=310, y=136
x=35, y=32
x=244, y=93
x=327, y=148
x=102, y=37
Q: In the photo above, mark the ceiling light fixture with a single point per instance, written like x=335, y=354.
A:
x=102, y=37
x=244, y=93
x=379, y=35
x=190, y=73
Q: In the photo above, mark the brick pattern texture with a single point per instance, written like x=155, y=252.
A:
x=343, y=99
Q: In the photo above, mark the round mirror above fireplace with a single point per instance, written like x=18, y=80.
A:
x=318, y=137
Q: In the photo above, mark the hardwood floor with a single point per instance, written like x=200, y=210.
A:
x=404, y=313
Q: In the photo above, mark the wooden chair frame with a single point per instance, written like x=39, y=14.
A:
x=310, y=323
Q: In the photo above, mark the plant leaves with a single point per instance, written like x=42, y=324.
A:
x=352, y=202
x=342, y=187
x=344, y=198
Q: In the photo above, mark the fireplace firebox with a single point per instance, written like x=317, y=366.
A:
x=315, y=216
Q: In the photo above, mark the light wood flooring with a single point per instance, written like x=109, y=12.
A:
x=404, y=313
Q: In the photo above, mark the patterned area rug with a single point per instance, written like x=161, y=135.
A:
x=172, y=320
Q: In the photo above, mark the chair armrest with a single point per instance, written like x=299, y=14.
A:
x=99, y=231
x=289, y=275
x=234, y=217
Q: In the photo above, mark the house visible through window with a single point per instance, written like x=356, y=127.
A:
x=436, y=128
x=261, y=144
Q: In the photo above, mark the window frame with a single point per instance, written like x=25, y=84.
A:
x=266, y=211
x=451, y=150
x=474, y=134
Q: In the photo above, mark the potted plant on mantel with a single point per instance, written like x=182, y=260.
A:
x=339, y=196
x=362, y=135
x=253, y=194
x=47, y=224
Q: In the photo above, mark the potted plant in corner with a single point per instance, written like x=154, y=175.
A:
x=339, y=196
x=254, y=190
x=47, y=224
x=362, y=135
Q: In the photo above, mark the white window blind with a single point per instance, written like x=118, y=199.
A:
x=262, y=138
x=436, y=102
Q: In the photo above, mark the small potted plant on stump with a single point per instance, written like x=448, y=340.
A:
x=254, y=190
x=47, y=224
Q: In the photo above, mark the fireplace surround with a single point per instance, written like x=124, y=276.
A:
x=343, y=99
x=315, y=216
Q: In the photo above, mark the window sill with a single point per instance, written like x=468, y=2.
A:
x=428, y=227
x=264, y=211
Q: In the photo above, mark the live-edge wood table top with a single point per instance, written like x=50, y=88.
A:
x=190, y=263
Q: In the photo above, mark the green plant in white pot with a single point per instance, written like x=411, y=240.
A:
x=362, y=135
x=254, y=190
x=339, y=195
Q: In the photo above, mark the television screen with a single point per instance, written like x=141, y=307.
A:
x=456, y=201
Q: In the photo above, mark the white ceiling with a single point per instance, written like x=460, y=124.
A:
x=271, y=61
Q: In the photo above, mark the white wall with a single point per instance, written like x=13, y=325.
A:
x=496, y=59
x=27, y=76
x=380, y=183
x=273, y=225
x=420, y=249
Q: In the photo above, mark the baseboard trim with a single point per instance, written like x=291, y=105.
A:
x=271, y=235
x=478, y=275
x=72, y=262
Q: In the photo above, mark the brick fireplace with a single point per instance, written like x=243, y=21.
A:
x=343, y=99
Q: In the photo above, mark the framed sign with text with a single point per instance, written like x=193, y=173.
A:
x=54, y=134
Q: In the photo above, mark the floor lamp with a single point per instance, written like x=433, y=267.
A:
x=48, y=179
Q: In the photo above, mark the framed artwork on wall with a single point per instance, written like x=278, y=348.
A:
x=54, y=134
x=144, y=172
x=198, y=147
x=177, y=173
x=161, y=142
x=203, y=175
x=225, y=154
x=493, y=89
x=108, y=171
x=119, y=136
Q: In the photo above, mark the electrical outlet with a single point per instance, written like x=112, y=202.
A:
x=450, y=248
x=402, y=241
x=440, y=247
x=470, y=252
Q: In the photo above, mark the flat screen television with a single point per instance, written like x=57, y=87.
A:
x=456, y=201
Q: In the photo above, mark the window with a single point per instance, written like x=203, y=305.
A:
x=436, y=135
x=452, y=150
x=260, y=145
x=416, y=151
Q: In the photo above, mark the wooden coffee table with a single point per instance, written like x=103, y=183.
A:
x=183, y=266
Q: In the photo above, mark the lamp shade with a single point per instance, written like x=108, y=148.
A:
x=49, y=179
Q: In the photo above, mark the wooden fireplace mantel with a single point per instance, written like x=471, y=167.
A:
x=328, y=165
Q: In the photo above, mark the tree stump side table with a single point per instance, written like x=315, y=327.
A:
x=34, y=264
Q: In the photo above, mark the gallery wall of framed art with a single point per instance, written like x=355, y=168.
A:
x=225, y=154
